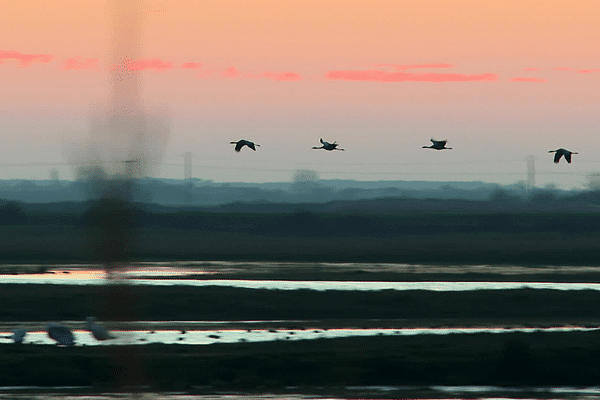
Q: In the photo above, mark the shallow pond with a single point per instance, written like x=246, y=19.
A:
x=207, y=337
x=156, y=277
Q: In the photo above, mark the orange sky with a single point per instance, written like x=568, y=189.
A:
x=521, y=77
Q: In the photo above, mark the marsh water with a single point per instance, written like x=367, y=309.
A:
x=350, y=392
x=207, y=337
x=200, y=274
x=204, y=274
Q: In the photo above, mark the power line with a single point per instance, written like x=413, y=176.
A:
x=353, y=172
x=382, y=164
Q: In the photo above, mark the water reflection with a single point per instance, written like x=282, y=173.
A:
x=154, y=276
x=207, y=337
x=150, y=396
x=365, y=392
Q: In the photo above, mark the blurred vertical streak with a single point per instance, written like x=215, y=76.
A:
x=187, y=174
x=125, y=142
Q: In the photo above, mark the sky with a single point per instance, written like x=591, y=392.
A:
x=500, y=80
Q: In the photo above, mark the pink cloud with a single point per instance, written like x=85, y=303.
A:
x=587, y=71
x=282, y=76
x=231, y=72
x=522, y=79
x=384, y=76
x=404, y=67
x=25, y=59
x=140, y=65
x=78, y=63
x=580, y=71
x=191, y=65
x=532, y=69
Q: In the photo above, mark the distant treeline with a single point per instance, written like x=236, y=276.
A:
x=204, y=193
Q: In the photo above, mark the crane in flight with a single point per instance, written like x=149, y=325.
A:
x=438, y=145
x=241, y=143
x=562, y=152
x=328, y=146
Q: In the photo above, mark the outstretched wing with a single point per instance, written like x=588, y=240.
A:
x=568, y=157
x=557, y=157
x=239, y=146
x=321, y=140
x=251, y=145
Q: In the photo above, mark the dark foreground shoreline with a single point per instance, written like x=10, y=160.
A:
x=510, y=360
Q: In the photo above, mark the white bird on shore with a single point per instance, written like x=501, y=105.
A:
x=241, y=143
x=99, y=332
x=61, y=334
x=328, y=146
x=438, y=145
x=562, y=152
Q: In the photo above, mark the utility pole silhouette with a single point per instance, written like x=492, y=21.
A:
x=187, y=175
x=54, y=178
x=530, y=172
x=187, y=165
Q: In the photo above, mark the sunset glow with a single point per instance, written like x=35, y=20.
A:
x=491, y=77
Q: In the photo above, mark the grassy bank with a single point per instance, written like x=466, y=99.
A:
x=64, y=243
x=538, y=359
x=58, y=302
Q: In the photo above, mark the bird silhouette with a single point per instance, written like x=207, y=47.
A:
x=328, y=146
x=99, y=332
x=438, y=145
x=562, y=152
x=61, y=334
x=241, y=143
x=18, y=335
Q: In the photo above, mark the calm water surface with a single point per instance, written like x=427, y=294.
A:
x=354, y=392
x=206, y=337
x=157, y=276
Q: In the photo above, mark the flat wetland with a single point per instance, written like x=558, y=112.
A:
x=506, y=359
x=515, y=248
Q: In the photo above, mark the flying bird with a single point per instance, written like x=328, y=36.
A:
x=241, y=143
x=99, y=332
x=328, y=146
x=438, y=145
x=562, y=152
x=61, y=334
